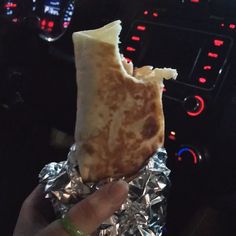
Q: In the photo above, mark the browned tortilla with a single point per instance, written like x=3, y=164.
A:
x=120, y=121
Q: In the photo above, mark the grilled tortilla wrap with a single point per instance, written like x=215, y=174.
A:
x=120, y=121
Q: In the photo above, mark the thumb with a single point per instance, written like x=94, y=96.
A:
x=88, y=215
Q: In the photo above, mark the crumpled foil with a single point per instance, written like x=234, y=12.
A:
x=143, y=213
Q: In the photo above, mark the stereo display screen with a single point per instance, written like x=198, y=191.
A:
x=171, y=47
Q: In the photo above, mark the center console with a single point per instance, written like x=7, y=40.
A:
x=193, y=38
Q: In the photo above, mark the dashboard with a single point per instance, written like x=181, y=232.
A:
x=197, y=37
x=52, y=17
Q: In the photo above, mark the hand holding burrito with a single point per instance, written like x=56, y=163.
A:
x=87, y=215
x=119, y=134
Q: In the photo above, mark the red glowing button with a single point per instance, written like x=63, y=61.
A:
x=213, y=55
x=145, y=12
x=218, y=43
x=172, y=136
x=155, y=14
x=195, y=1
x=232, y=26
x=207, y=67
x=202, y=80
x=135, y=38
x=141, y=27
x=222, y=25
x=130, y=49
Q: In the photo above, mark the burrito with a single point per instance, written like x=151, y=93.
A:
x=119, y=120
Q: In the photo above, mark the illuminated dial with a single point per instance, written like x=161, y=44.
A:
x=194, y=105
x=189, y=156
x=55, y=17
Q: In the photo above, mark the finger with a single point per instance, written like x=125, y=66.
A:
x=98, y=207
x=92, y=211
x=37, y=205
x=33, y=212
x=35, y=197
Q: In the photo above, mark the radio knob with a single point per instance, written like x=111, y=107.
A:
x=194, y=105
x=189, y=156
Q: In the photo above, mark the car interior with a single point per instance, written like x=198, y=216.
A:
x=38, y=97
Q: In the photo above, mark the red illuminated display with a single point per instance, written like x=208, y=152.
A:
x=135, y=38
x=213, y=55
x=202, y=80
x=130, y=49
x=207, y=67
x=10, y=5
x=141, y=27
x=47, y=25
x=218, y=43
x=195, y=1
x=50, y=24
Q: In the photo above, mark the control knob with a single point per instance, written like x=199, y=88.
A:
x=194, y=105
x=189, y=156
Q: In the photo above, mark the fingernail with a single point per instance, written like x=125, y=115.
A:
x=118, y=192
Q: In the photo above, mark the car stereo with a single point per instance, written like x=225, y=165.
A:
x=201, y=58
x=198, y=56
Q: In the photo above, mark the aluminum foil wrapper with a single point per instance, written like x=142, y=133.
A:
x=143, y=213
